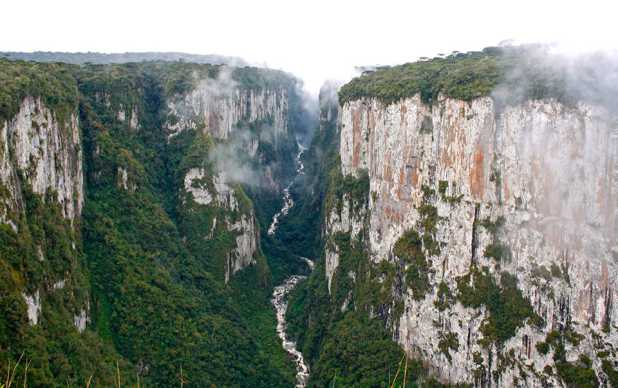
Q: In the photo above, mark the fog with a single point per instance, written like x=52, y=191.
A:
x=537, y=71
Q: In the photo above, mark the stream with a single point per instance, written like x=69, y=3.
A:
x=288, y=201
x=281, y=292
x=280, y=302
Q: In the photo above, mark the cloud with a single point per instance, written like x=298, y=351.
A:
x=547, y=71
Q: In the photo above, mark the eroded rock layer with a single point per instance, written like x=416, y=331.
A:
x=460, y=193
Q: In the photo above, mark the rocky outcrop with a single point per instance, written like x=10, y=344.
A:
x=217, y=107
x=133, y=123
x=82, y=319
x=240, y=119
x=238, y=219
x=39, y=150
x=33, y=302
x=243, y=255
x=530, y=190
x=40, y=154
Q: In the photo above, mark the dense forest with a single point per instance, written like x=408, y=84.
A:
x=160, y=312
x=149, y=262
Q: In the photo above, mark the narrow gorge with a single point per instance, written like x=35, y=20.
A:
x=282, y=291
x=447, y=222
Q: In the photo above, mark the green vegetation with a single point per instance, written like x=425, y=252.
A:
x=445, y=297
x=358, y=352
x=507, y=308
x=464, y=76
x=429, y=221
x=577, y=374
x=443, y=188
x=409, y=249
x=53, y=350
x=448, y=341
x=611, y=372
x=574, y=374
x=152, y=278
x=53, y=83
x=150, y=246
x=493, y=227
x=356, y=188
x=542, y=347
x=496, y=249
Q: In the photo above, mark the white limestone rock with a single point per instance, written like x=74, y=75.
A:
x=217, y=107
x=550, y=170
x=82, y=319
x=34, y=307
x=47, y=153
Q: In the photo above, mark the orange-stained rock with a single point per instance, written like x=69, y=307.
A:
x=477, y=174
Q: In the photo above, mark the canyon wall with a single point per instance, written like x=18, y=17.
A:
x=252, y=141
x=523, y=194
x=218, y=107
x=44, y=153
x=41, y=175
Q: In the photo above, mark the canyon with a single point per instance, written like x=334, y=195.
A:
x=421, y=225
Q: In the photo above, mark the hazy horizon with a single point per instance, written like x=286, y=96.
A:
x=315, y=41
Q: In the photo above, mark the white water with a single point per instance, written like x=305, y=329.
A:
x=288, y=201
x=280, y=302
x=281, y=292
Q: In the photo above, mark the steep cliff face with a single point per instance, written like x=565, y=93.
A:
x=44, y=292
x=251, y=136
x=42, y=160
x=218, y=106
x=212, y=193
x=461, y=193
x=44, y=153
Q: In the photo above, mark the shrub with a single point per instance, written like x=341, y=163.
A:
x=507, y=307
x=448, y=341
x=444, y=298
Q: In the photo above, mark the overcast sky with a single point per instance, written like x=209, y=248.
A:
x=314, y=39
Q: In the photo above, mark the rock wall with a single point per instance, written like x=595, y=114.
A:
x=218, y=108
x=209, y=190
x=239, y=119
x=38, y=150
x=42, y=154
x=547, y=171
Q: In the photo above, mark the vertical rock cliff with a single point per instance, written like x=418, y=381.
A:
x=529, y=191
x=44, y=153
x=481, y=230
x=42, y=161
x=45, y=296
x=249, y=125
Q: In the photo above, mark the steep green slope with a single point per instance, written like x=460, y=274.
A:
x=159, y=306
x=42, y=257
x=158, y=289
